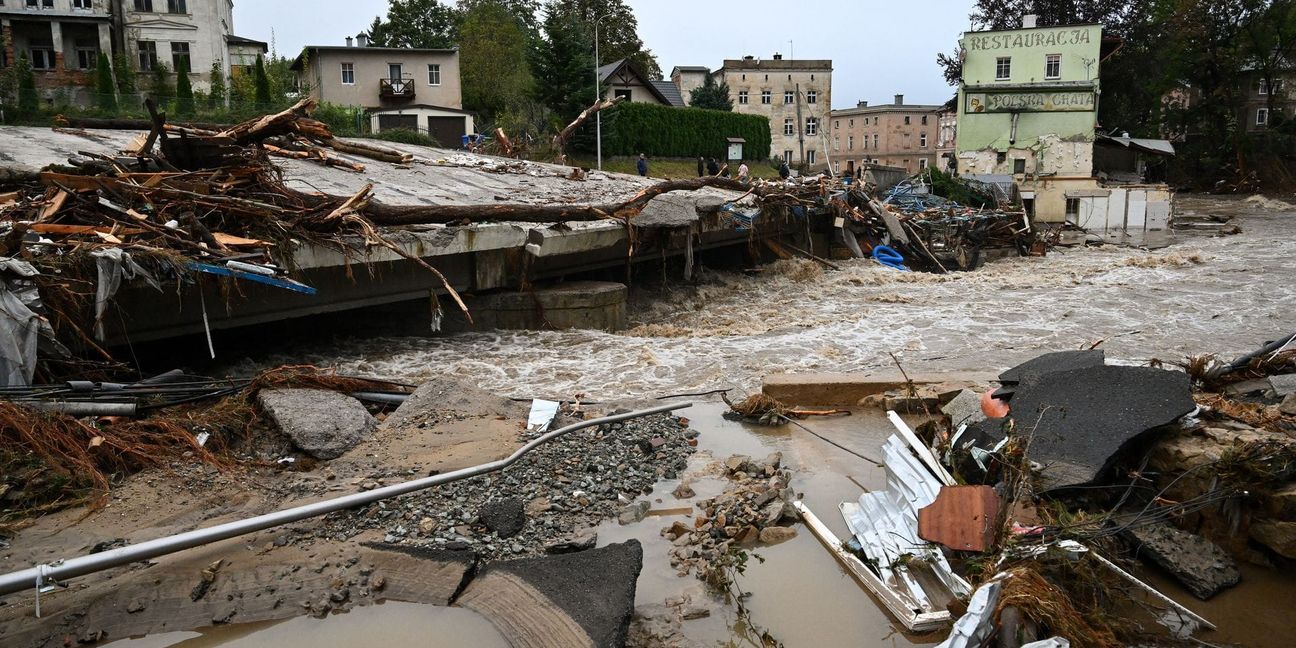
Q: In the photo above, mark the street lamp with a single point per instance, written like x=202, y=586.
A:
x=598, y=94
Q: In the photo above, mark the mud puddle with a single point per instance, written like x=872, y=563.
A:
x=389, y=624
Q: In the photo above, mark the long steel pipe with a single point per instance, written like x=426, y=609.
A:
x=28, y=578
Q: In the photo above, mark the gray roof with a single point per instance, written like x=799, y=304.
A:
x=612, y=68
x=671, y=92
x=239, y=40
x=691, y=68
x=881, y=108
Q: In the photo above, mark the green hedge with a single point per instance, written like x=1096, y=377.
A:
x=663, y=131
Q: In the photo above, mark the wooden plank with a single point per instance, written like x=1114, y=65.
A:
x=962, y=518
x=53, y=207
x=10, y=198
x=56, y=228
x=229, y=240
x=913, y=620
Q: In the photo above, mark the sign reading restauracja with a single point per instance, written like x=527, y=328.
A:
x=1043, y=38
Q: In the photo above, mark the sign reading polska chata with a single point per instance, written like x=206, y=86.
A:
x=1030, y=102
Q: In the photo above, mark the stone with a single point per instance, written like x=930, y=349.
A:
x=504, y=517
x=1288, y=405
x=634, y=512
x=676, y=530
x=1258, y=386
x=135, y=605
x=1283, y=385
x=1280, y=536
x=427, y=526
x=581, y=540
x=749, y=536
x=694, y=612
x=323, y=424
x=965, y=409
x=1201, y=565
x=736, y=463
x=684, y=491
x=538, y=505
x=777, y=534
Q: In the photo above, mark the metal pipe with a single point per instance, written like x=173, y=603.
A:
x=381, y=398
x=79, y=409
x=72, y=567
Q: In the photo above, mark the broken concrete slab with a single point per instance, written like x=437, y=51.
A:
x=583, y=599
x=1199, y=564
x=962, y=518
x=1053, y=362
x=848, y=389
x=323, y=424
x=1080, y=421
x=965, y=409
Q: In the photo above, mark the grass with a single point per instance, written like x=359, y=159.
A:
x=671, y=167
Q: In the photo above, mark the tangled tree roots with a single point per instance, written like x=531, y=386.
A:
x=1052, y=608
x=766, y=409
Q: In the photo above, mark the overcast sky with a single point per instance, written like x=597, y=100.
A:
x=879, y=48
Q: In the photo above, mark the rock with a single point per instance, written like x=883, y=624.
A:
x=736, y=463
x=1201, y=565
x=538, y=505
x=1277, y=535
x=505, y=517
x=323, y=424
x=1284, y=385
x=1288, y=405
x=684, y=491
x=772, y=463
x=581, y=540
x=1281, y=504
x=135, y=605
x=965, y=409
x=427, y=526
x=634, y=512
x=749, y=536
x=777, y=534
x=1258, y=386
x=694, y=612
x=676, y=530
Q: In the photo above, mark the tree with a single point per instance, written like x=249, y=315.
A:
x=28, y=99
x=566, y=63
x=105, y=89
x=618, y=33
x=711, y=96
x=183, y=88
x=422, y=24
x=493, y=47
x=125, y=74
x=263, y=98
x=216, y=93
x=163, y=90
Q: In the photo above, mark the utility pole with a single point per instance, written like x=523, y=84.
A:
x=800, y=126
x=598, y=95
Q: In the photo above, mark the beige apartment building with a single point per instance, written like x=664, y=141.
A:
x=796, y=96
x=895, y=134
x=415, y=89
x=62, y=39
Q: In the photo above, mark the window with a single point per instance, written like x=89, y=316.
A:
x=624, y=92
x=44, y=4
x=395, y=71
x=744, y=77
x=907, y=120
x=177, y=7
x=1073, y=209
x=837, y=143
x=812, y=97
x=787, y=156
x=875, y=121
x=922, y=163
x=87, y=54
x=742, y=97
x=789, y=97
x=82, y=4
x=810, y=156
x=924, y=120
x=907, y=142
x=147, y=55
x=1262, y=115
x=852, y=123
x=348, y=74
x=1264, y=86
x=767, y=97
x=42, y=54
x=144, y=5
x=864, y=143
x=179, y=55
x=434, y=74
x=812, y=126
x=922, y=140
x=1053, y=66
x=850, y=143
x=789, y=126
x=1019, y=166
x=1003, y=68
x=836, y=124
x=875, y=140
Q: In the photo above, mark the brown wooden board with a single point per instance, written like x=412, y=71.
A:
x=962, y=518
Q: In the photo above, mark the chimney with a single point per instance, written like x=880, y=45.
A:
x=778, y=57
x=899, y=100
x=350, y=42
x=862, y=104
x=749, y=57
x=1029, y=21
x=362, y=40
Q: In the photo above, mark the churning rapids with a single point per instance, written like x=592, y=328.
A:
x=1223, y=295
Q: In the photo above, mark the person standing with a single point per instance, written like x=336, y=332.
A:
x=784, y=171
x=744, y=174
x=713, y=169
x=642, y=165
x=701, y=166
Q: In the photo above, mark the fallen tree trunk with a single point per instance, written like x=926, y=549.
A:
x=395, y=215
x=560, y=140
x=280, y=123
x=371, y=151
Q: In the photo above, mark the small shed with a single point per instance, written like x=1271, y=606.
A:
x=735, y=148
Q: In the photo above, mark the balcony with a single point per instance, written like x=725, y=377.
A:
x=396, y=89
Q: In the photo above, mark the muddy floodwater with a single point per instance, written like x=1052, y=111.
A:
x=1202, y=294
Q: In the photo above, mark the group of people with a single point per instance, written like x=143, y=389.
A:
x=710, y=167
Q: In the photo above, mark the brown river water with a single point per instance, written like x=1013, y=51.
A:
x=1225, y=295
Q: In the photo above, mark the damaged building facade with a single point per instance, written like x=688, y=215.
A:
x=1028, y=111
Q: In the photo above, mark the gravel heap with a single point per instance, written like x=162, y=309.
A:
x=548, y=502
x=755, y=508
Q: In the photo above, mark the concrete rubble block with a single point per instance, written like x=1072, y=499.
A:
x=1082, y=421
x=965, y=409
x=634, y=512
x=848, y=389
x=323, y=424
x=1199, y=564
x=1280, y=536
x=505, y=517
x=578, y=600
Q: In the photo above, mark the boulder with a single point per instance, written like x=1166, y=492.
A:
x=1283, y=385
x=505, y=517
x=684, y=491
x=580, y=540
x=323, y=424
x=777, y=534
x=634, y=512
x=1288, y=405
x=1201, y=565
x=736, y=463
x=1277, y=535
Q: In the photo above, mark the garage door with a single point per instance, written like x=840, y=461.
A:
x=388, y=122
x=447, y=131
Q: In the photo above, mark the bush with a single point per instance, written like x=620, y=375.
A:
x=28, y=99
x=404, y=136
x=184, y=90
x=346, y=121
x=663, y=131
x=104, y=88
